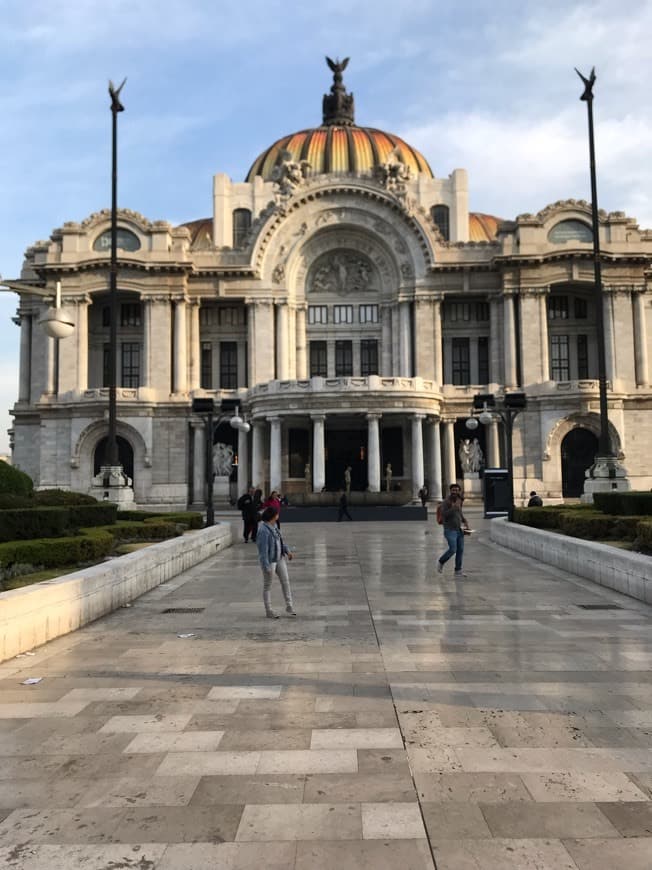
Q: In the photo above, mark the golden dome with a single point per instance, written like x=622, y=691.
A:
x=483, y=227
x=338, y=146
x=339, y=150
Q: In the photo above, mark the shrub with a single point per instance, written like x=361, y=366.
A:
x=22, y=557
x=14, y=481
x=96, y=514
x=124, y=531
x=624, y=503
x=137, y=516
x=592, y=526
x=643, y=538
x=62, y=497
x=27, y=523
x=191, y=519
x=540, y=518
x=8, y=501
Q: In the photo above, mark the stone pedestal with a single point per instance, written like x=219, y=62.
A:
x=472, y=486
x=221, y=489
x=113, y=485
x=605, y=475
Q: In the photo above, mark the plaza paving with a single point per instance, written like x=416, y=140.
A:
x=405, y=720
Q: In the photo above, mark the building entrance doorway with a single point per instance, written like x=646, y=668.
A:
x=578, y=452
x=125, y=456
x=346, y=447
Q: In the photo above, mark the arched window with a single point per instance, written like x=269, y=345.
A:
x=441, y=217
x=571, y=230
x=241, y=226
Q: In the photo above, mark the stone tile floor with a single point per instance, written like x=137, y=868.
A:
x=405, y=720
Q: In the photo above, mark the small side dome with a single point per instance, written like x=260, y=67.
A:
x=483, y=227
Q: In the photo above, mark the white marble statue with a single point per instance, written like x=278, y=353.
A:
x=222, y=459
x=477, y=456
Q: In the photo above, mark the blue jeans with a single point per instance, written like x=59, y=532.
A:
x=455, y=542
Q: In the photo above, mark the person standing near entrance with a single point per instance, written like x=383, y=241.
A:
x=344, y=508
x=455, y=526
x=274, y=557
x=347, y=479
x=245, y=506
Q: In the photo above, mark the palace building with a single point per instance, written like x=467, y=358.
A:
x=352, y=303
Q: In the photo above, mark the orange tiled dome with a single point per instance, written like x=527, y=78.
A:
x=483, y=227
x=339, y=149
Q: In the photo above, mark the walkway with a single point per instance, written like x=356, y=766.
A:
x=503, y=721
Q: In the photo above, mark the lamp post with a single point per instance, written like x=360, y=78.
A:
x=111, y=456
x=206, y=409
x=511, y=406
x=606, y=473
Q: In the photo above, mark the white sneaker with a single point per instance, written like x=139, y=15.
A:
x=461, y=574
x=271, y=614
x=440, y=568
x=290, y=611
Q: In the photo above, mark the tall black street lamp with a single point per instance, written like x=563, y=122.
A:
x=509, y=408
x=604, y=446
x=112, y=459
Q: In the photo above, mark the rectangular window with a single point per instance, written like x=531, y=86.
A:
x=342, y=313
x=368, y=357
x=299, y=449
x=581, y=308
x=130, y=314
x=318, y=359
x=228, y=365
x=130, y=364
x=317, y=314
x=482, y=312
x=558, y=308
x=559, y=367
x=368, y=313
x=483, y=360
x=206, y=365
x=461, y=362
x=343, y=359
x=106, y=359
x=230, y=316
x=458, y=311
x=582, y=356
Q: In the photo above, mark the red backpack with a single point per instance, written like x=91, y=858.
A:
x=440, y=513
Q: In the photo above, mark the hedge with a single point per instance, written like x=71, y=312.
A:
x=62, y=497
x=22, y=524
x=644, y=535
x=137, y=516
x=124, y=531
x=629, y=503
x=25, y=557
x=191, y=519
x=582, y=522
x=14, y=481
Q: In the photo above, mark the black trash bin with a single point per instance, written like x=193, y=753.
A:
x=497, y=492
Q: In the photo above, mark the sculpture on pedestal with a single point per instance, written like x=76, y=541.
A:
x=347, y=479
x=388, y=477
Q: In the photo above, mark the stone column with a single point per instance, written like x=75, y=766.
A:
x=302, y=357
x=275, y=456
x=251, y=344
x=396, y=344
x=263, y=341
x=180, y=347
x=282, y=341
x=509, y=336
x=386, y=341
x=195, y=346
x=145, y=365
x=82, y=344
x=434, y=458
x=534, y=332
x=257, y=461
x=609, y=349
x=405, y=340
x=51, y=363
x=543, y=328
x=199, y=462
x=424, y=338
x=437, y=340
x=292, y=343
x=318, y=455
x=25, y=321
x=640, y=338
x=417, y=454
x=373, y=452
x=495, y=341
x=493, y=446
x=243, y=460
x=449, y=454
x=160, y=339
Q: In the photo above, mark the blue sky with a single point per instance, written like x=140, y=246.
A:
x=485, y=86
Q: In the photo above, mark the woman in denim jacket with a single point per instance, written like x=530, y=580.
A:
x=274, y=557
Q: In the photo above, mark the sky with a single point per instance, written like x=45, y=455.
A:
x=489, y=87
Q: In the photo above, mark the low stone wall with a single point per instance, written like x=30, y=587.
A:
x=35, y=614
x=629, y=573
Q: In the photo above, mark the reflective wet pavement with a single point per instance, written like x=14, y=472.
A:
x=404, y=718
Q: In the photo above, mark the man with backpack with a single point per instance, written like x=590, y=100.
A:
x=450, y=516
x=248, y=510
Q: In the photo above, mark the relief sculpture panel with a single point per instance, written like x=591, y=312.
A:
x=343, y=273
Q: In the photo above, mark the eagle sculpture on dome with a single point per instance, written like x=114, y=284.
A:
x=337, y=66
x=338, y=106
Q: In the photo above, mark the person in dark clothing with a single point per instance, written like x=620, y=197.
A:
x=424, y=494
x=344, y=508
x=535, y=500
x=246, y=508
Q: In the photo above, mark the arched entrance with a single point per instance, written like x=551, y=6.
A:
x=578, y=451
x=125, y=455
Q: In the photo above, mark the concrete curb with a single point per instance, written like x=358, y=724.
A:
x=35, y=614
x=629, y=573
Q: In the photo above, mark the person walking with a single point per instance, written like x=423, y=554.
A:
x=343, y=508
x=424, y=494
x=245, y=504
x=455, y=525
x=274, y=500
x=274, y=557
